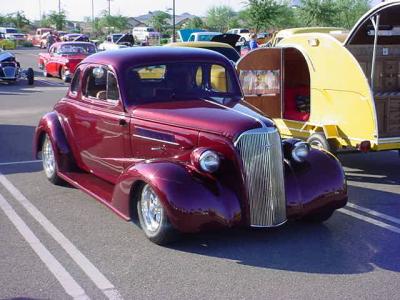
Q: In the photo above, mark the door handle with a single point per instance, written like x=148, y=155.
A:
x=122, y=122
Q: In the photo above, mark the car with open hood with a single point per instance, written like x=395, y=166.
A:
x=62, y=58
x=161, y=135
x=117, y=41
x=11, y=71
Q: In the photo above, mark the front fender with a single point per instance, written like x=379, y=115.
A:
x=315, y=185
x=49, y=124
x=192, y=201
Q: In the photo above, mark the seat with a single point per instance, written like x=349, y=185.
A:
x=291, y=111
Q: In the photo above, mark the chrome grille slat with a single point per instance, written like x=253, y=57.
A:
x=261, y=154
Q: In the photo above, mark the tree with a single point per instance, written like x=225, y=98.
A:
x=159, y=20
x=111, y=23
x=319, y=12
x=219, y=17
x=55, y=19
x=18, y=19
x=350, y=11
x=195, y=22
x=264, y=14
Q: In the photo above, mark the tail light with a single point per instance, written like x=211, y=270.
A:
x=365, y=146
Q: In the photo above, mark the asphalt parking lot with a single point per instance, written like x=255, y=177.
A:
x=59, y=243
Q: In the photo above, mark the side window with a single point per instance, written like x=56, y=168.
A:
x=75, y=82
x=191, y=39
x=112, y=87
x=101, y=84
x=218, y=79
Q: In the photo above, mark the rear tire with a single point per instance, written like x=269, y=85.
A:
x=49, y=161
x=153, y=218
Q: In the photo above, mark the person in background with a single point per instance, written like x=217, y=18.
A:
x=253, y=41
x=50, y=39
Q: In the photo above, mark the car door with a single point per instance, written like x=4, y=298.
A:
x=99, y=124
x=51, y=64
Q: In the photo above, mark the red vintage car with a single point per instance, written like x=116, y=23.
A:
x=62, y=58
x=161, y=135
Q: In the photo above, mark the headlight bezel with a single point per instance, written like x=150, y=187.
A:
x=199, y=159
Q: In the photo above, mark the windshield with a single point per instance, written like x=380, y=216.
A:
x=77, y=49
x=150, y=29
x=179, y=82
x=11, y=30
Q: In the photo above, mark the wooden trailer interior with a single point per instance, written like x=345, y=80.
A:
x=386, y=82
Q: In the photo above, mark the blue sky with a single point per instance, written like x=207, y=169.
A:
x=78, y=9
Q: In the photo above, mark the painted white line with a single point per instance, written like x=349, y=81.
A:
x=20, y=162
x=374, y=213
x=87, y=267
x=51, y=83
x=69, y=284
x=370, y=220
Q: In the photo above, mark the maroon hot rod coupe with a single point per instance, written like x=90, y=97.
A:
x=62, y=58
x=162, y=135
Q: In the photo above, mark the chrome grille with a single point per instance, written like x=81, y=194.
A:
x=261, y=153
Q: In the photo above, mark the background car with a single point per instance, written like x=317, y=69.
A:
x=146, y=36
x=62, y=58
x=154, y=134
x=10, y=69
x=117, y=41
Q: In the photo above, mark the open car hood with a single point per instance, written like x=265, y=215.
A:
x=6, y=56
x=227, y=38
x=126, y=39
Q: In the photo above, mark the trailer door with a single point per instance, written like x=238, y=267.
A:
x=260, y=73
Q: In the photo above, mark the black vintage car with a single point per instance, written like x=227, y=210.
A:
x=10, y=69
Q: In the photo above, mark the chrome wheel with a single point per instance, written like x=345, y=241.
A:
x=316, y=144
x=49, y=161
x=151, y=210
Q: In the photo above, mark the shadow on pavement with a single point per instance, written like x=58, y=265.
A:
x=329, y=248
x=378, y=167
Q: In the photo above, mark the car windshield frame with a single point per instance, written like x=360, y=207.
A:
x=133, y=98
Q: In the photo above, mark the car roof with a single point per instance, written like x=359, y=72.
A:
x=127, y=57
x=206, y=33
x=71, y=42
x=200, y=44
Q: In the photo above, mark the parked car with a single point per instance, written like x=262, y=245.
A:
x=350, y=105
x=243, y=32
x=117, y=41
x=62, y=58
x=12, y=34
x=74, y=37
x=151, y=133
x=222, y=48
x=10, y=69
x=39, y=38
x=146, y=36
x=203, y=36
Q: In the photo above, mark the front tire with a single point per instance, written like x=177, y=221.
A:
x=153, y=218
x=63, y=76
x=30, y=75
x=319, y=217
x=49, y=161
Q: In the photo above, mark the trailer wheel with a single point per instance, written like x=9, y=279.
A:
x=319, y=141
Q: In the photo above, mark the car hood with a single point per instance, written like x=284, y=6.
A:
x=227, y=38
x=6, y=56
x=202, y=115
x=75, y=56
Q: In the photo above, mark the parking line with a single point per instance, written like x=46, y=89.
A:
x=86, y=266
x=369, y=220
x=374, y=213
x=69, y=284
x=20, y=162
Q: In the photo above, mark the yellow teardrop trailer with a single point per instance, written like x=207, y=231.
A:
x=335, y=95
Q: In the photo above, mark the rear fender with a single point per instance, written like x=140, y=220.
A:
x=192, y=201
x=49, y=124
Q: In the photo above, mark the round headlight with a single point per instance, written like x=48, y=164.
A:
x=209, y=161
x=300, y=151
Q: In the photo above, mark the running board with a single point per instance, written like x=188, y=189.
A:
x=94, y=186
